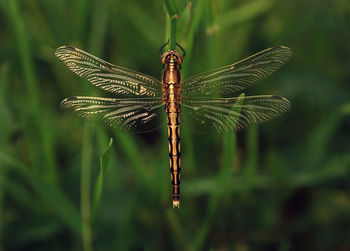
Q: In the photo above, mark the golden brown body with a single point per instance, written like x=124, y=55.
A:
x=172, y=99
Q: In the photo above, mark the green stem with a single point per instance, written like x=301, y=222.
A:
x=85, y=189
x=172, y=33
x=252, y=146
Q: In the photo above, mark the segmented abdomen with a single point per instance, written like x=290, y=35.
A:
x=172, y=100
x=174, y=151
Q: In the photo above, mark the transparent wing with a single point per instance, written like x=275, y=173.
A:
x=236, y=77
x=229, y=114
x=107, y=76
x=138, y=115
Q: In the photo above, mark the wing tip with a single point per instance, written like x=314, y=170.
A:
x=65, y=102
x=286, y=103
x=288, y=53
x=62, y=49
x=66, y=47
x=281, y=47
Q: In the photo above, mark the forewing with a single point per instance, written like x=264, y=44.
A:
x=229, y=114
x=230, y=79
x=107, y=76
x=135, y=115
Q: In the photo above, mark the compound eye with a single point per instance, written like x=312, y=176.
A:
x=178, y=59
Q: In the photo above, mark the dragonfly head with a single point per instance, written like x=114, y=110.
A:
x=171, y=56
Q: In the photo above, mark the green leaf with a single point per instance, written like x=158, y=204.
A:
x=172, y=8
x=104, y=160
x=237, y=107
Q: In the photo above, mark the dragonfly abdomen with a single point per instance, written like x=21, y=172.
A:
x=173, y=117
x=172, y=100
x=174, y=150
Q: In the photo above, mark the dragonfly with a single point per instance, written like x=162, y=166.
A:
x=205, y=101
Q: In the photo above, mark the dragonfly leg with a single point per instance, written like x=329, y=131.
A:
x=163, y=46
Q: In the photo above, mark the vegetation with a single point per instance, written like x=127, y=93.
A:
x=282, y=185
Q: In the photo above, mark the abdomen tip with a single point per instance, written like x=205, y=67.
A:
x=176, y=204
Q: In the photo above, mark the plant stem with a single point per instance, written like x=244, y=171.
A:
x=85, y=189
x=172, y=33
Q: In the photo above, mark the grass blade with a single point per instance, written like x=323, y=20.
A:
x=104, y=160
x=37, y=114
x=85, y=186
x=172, y=8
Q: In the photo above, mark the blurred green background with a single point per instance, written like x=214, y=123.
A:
x=282, y=185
